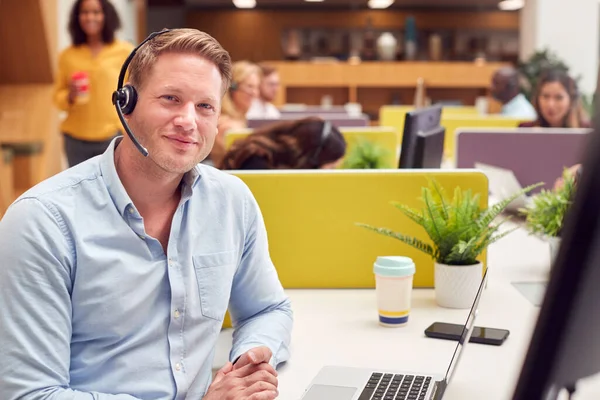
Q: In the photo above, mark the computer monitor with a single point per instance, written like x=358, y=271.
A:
x=421, y=120
x=565, y=345
x=429, y=149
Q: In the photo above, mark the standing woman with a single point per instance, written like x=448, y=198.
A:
x=87, y=75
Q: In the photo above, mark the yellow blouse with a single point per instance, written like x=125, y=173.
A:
x=95, y=120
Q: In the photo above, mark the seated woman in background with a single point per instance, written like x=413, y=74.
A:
x=236, y=103
x=309, y=143
x=558, y=103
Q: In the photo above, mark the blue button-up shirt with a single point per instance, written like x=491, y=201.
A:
x=93, y=308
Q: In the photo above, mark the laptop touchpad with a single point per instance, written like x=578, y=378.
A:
x=329, y=392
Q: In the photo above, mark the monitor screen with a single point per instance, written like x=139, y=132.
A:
x=565, y=345
x=420, y=120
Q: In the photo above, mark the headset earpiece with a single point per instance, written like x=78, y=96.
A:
x=126, y=98
x=233, y=87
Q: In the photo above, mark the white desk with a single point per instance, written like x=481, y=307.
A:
x=339, y=327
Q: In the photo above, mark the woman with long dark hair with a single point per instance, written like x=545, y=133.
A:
x=87, y=75
x=308, y=143
x=557, y=102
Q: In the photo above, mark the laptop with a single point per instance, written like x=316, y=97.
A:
x=348, y=383
x=503, y=183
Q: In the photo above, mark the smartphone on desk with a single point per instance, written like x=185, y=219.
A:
x=442, y=330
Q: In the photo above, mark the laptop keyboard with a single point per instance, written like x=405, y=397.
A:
x=395, y=387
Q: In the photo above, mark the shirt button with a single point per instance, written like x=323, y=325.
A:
x=130, y=210
x=178, y=367
x=176, y=314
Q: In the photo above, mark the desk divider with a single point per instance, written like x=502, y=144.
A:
x=310, y=220
x=454, y=122
x=533, y=154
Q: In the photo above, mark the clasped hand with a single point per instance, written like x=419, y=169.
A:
x=251, y=378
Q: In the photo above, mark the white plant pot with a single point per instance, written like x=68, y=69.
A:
x=554, y=246
x=456, y=285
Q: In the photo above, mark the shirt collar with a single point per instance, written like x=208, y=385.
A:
x=116, y=189
x=514, y=101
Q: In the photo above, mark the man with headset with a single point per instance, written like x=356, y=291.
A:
x=117, y=273
x=505, y=89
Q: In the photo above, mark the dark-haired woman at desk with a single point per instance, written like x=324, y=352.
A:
x=557, y=102
x=308, y=143
x=87, y=75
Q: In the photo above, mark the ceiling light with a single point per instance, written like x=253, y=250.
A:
x=511, y=5
x=244, y=3
x=380, y=3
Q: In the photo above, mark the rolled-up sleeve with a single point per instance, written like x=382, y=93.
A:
x=36, y=266
x=261, y=311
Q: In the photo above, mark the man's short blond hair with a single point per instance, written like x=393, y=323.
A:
x=188, y=41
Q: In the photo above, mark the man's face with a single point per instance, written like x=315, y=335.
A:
x=269, y=87
x=177, y=111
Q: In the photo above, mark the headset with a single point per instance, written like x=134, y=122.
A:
x=125, y=97
x=324, y=135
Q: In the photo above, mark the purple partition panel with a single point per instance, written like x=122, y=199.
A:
x=336, y=121
x=533, y=154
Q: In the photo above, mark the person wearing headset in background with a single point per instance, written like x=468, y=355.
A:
x=262, y=106
x=117, y=273
x=236, y=103
x=84, y=82
x=303, y=144
x=505, y=89
x=557, y=102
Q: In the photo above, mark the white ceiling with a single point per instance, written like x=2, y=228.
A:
x=345, y=4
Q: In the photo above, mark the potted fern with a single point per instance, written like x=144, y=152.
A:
x=367, y=155
x=460, y=231
x=545, y=215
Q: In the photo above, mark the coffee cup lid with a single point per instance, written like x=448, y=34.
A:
x=394, y=266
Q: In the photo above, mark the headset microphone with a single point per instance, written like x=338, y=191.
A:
x=125, y=97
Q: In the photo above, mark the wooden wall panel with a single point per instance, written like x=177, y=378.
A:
x=255, y=34
x=28, y=37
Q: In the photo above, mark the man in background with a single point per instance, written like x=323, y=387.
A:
x=505, y=89
x=262, y=107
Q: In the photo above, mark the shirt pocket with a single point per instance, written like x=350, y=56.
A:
x=214, y=273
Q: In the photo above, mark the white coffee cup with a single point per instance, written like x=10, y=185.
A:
x=393, y=283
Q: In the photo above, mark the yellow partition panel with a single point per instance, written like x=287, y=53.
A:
x=310, y=220
x=394, y=116
x=453, y=122
x=383, y=136
x=236, y=134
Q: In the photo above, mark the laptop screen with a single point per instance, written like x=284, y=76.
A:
x=467, y=331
